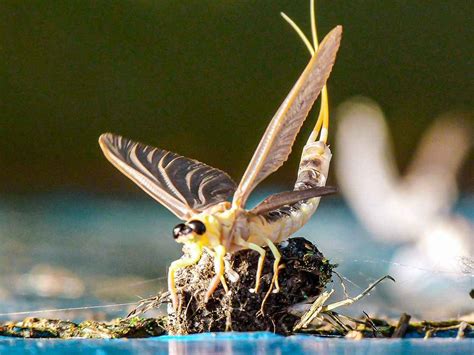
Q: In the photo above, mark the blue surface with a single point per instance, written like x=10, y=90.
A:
x=237, y=343
x=92, y=237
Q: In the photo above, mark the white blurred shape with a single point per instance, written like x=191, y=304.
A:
x=392, y=207
x=446, y=242
x=414, y=210
x=431, y=275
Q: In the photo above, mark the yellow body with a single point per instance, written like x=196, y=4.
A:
x=251, y=231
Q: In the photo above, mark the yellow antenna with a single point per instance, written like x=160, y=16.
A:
x=299, y=32
x=323, y=117
x=314, y=33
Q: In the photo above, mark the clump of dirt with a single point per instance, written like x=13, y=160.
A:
x=305, y=274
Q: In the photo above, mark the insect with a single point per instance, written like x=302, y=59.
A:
x=199, y=194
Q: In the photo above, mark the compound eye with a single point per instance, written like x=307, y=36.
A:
x=197, y=226
x=178, y=230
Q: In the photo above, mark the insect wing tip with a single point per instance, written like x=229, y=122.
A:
x=104, y=138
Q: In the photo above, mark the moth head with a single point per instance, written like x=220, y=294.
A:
x=190, y=232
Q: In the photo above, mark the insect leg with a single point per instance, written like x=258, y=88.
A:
x=240, y=241
x=219, y=253
x=196, y=253
x=277, y=256
x=223, y=282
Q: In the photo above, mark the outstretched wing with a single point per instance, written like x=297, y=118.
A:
x=184, y=186
x=275, y=145
x=281, y=199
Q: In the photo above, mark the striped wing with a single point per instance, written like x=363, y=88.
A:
x=185, y=186
x=275, y=145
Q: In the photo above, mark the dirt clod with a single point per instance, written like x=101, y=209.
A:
x=304, y=275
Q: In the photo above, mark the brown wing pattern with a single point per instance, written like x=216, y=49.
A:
x=185, y=186
x=275, y=146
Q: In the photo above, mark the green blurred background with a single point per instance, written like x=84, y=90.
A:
x=203, y=78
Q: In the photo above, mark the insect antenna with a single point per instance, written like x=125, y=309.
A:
x=322, y=124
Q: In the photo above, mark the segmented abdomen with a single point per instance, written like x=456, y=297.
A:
x=281, y=223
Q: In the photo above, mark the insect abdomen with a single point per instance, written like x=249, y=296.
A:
x=279, y=224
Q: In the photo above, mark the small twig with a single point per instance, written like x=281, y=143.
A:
x=428, y=334
x=314, y=311
x=402, y=326
x=375, y=330
x=147, y=304
x=436, y=327
x=350, y=319
x=350, y=301
x=342, y=283
x=333, y=317
x=319, y=307
x=451, y=324
x=462, y=330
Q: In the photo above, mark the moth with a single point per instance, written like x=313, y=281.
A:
x=212, y=206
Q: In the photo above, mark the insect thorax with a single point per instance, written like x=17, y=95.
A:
x=219, y=220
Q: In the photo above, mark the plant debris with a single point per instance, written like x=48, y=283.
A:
x=149, y=327
x=319, y=309
x=402, y=326
x=54, y=328
x=301, y=306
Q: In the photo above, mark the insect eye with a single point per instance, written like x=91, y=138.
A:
x=198, y=227
x=178, y=230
